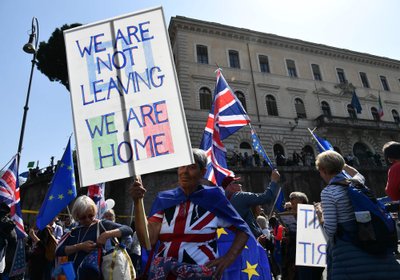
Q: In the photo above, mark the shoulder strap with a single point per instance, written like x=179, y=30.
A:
x=115, y=240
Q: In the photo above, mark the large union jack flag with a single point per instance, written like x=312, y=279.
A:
x=226, y=116
x=9, y=193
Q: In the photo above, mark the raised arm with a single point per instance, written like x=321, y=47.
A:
x=137, y=192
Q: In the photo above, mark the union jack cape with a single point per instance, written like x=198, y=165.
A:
x=9, y=193
x=226, y=116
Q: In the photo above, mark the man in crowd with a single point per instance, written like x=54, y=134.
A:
x=391, y=151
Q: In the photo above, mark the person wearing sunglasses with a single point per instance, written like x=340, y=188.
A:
x=88, y=236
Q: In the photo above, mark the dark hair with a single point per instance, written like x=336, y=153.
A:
x=391, y=150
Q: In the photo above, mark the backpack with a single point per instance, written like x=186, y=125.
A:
x=376, y=230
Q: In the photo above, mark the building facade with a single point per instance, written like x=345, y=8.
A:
x=287, y=85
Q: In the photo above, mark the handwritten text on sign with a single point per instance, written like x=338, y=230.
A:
x=128, y=115
x=311, y=243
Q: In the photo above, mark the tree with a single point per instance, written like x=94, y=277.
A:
x=51, y=56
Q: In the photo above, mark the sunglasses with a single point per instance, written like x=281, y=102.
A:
x=90, y=216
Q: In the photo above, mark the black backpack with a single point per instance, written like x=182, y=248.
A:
x=376, y=230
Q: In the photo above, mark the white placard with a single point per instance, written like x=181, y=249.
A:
x=310, y=241
x=127, y=108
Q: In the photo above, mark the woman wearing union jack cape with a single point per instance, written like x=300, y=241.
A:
x=184, y=221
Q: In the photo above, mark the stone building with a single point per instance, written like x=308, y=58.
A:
x=287, y=85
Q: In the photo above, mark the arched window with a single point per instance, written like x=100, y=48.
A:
x=205, y=98
x=242, y=99
x=351, y=111
x=396, y=116
x=271, y=105
x=326, y=110
x=375, y=114
x=245, y=146
x=300, y=109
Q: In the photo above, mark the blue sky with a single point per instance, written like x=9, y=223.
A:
x=368, y=26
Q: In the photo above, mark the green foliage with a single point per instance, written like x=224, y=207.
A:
x=51, y=56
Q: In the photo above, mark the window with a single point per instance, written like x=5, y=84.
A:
x=364, y=80
x=384, y=82
x=202, y=54
x=271, y=105
x=264, y=63
x=234, y=59
x=375, y=114
x=291, y=68
x=205, y=98
x=396, y=116
x=351, y=111
x=242, y=99
x=300, y=109
x=341, y=76
x=316, y=72
x=326, y=110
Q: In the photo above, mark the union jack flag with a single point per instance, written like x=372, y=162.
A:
x=96, y=192
x=9, y=193
x=226, y=116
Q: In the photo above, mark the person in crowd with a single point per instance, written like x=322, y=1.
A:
x=56, y=229
x=290, y=270
x=391, y=152
x=40, y=265
x=190, y=202
x=8, y=240
x=244, y=201
x=68, y=224
x=277, y=234
x=109, y=215
x=344, y=259
x=84, y=239
x=135, y=251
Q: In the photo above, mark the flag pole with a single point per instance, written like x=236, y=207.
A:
x=313, y=136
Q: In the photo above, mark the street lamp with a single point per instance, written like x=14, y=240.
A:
x=31, y=48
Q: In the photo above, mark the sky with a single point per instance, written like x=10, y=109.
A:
x=368, y=26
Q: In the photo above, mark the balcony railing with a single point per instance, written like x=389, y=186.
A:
x=341, y=122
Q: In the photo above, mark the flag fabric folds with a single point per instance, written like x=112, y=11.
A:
x=322, y=144
x=9, y=193
x=226, y=116
x=380, y=107
x=355, y=102
x=61, y=192
x=280, y=202
x=96, y=193
x=259, y=148
x=251, y=264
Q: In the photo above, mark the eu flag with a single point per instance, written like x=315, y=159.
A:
x=322, y=144
x=259, y=148
x=61, y=192
x=355, y=102
x=251, y=264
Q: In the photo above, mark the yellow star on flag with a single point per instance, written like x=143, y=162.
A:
x=62, y=164
x=51, y=197
x=70, y=192
x=69, y=167
x=250, y=270
x=60, y=196
x=221, y=231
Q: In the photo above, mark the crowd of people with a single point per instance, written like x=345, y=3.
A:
x=183, y=222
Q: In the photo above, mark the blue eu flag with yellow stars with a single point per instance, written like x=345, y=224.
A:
x=252, y=264
x=61, y=192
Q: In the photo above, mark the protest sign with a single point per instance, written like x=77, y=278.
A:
x=127, y=108
x=310, y=240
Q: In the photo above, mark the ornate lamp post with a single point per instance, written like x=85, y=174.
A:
x=30, y=48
